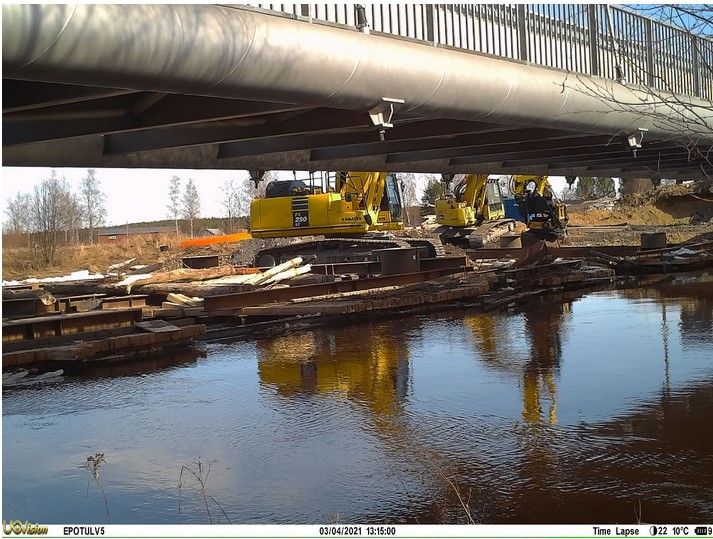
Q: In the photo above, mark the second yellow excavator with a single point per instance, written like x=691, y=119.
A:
x=472, y=213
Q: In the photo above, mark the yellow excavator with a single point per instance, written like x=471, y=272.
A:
x=545, y=215
x=473, y=212
x=348, y=208
x=348, y=203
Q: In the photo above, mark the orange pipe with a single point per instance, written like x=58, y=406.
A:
x=212, y=240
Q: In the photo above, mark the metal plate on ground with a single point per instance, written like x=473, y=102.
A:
x=156, y=326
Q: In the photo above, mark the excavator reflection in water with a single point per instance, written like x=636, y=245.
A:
x=372, y=370
x=543, y=324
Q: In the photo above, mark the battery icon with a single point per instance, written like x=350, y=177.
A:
x=701, y=530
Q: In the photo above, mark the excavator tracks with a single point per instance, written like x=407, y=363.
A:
x=475, y=237
x=338, y=250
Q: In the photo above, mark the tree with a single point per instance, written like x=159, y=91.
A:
x=191, y=203
x=656, y=94
x=174, y=198
x=72, y=215
x=48, y=207
x=410, y=199
x=249, y=191
x=18, y=213
x=630, y=186
x=431, y=192
x=93, y=202
x=589, y=187
x=231, y=201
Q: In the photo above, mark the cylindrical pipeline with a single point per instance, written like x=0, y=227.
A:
x=232, y=52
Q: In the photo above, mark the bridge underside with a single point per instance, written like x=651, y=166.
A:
x=63, y=125
x=60, y=120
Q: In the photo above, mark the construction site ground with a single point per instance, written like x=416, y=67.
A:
x=133, y=299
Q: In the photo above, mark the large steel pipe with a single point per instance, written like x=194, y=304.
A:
x=233, y=52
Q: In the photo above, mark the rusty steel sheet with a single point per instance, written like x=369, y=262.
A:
x=374, y=266
x=276, y=295
x=568, y=251
x=68, y=324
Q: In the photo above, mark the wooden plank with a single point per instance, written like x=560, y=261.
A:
x=124, y=302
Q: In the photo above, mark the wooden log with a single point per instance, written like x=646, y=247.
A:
x=200, y=290
x=26, y=293
x=185, y=274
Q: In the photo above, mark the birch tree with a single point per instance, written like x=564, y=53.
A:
x=93, y=201
x=231, y=201
x=174, y=200
x=191, y=203
x=48, y=219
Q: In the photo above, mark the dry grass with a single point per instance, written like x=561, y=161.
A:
x=196, y=479
x=20, y=263
x=94, y=464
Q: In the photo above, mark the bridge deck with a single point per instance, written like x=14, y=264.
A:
x=236, y=87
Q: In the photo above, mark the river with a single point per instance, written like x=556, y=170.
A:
x=596, y=409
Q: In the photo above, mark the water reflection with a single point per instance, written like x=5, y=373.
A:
x=561, y=411
x=543, y=324
x=370, y=367
x=693, y=297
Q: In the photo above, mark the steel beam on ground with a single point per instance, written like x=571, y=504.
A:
x=124, y=302
x=276, y=295
x=68, y=324
x=569, y=252
x=372, y=267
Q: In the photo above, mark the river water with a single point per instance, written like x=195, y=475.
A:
x=597, y=409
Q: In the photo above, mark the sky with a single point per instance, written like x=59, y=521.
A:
x=137, y=194
x=141, y=194
x=133, y=195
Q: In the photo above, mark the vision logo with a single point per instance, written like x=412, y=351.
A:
x=23, y=528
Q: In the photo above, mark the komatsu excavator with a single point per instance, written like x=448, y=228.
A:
x=472, y=213
x=545, y=215
x=346, y=207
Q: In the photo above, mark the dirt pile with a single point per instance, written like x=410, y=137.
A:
x=663, y=206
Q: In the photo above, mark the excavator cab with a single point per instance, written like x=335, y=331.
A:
x=391, y=207
x=544, y=214
x=287, y=188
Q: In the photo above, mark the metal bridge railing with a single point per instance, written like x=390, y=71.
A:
x=582, y=38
